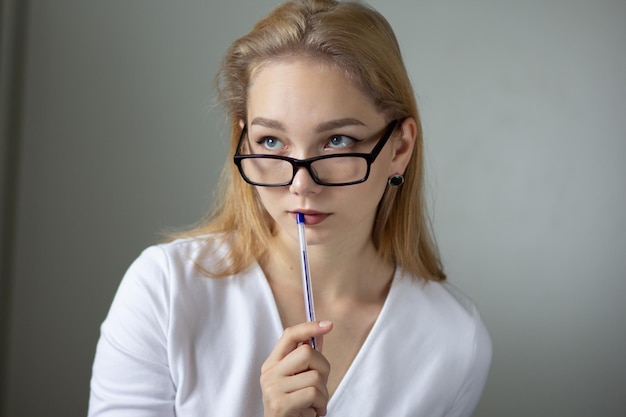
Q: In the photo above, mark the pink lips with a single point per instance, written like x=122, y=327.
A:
x=311, y=218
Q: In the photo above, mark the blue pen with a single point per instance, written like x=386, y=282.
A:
x=306, y=275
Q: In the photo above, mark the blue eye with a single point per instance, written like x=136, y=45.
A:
x=340, y=141
x=270, y=143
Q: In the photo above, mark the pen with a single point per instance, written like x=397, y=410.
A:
x=306, y=275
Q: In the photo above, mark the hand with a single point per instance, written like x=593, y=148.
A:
x=293, y=378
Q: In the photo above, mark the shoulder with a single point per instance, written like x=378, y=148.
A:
x=447, y=315
x=182, y=254
x=448, y=330
x=435, y=299
x=167, y=283
x=448, y=299
x=463, y=312
x=163, y=269
x=198, y=249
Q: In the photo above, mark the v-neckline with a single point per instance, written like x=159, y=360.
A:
x=362, y=352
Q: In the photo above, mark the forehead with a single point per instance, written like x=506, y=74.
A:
x=305, y=90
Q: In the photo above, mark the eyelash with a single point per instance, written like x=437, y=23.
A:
x=264, y=140
x=351, y=140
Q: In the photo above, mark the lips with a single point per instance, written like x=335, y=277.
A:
x=311, y=217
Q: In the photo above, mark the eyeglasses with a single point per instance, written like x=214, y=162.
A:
x=334, y=170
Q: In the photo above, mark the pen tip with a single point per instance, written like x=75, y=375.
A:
x=299, y=218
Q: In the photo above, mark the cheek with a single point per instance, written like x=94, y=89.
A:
x=266, y=197
x=375, y=186
x=274, y=203
x=366, y=195
x=379, y=175
x=384, y=166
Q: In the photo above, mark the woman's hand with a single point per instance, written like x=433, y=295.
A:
x=293, y=378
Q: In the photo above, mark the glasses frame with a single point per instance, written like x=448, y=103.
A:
x=306, y=163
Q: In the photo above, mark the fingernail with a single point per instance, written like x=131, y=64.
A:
x=325, y=323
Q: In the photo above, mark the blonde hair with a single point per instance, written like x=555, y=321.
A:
x=357, y=40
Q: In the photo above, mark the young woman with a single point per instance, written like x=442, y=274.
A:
x=323, y=123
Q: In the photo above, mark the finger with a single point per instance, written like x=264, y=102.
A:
x=306, y=397
x=294, y=383
x=308, y=379
x=278, y=378
x=320, y=343
x=304, y=359
x=310, y=397
x=294, y=336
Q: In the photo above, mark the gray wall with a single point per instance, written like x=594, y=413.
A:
x=524, y=107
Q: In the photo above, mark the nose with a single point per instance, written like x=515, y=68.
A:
x=303, y=183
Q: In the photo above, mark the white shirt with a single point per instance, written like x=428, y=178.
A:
x=176, y=343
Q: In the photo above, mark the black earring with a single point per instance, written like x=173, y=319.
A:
x=396, y=181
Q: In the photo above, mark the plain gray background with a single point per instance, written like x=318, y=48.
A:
x=110, y=137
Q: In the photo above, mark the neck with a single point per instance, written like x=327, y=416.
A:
x=339, y=271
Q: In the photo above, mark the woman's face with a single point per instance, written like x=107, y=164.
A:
x=301, y=109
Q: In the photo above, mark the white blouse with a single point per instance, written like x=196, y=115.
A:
x=176, y=343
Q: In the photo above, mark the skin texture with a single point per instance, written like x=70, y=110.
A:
x=300, y=105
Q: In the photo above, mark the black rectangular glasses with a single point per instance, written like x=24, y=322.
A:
x=333, y=170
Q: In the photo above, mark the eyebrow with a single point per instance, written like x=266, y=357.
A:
x=269, y=123
x=322, y=127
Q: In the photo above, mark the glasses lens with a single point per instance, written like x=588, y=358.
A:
x=340, y=169
x=267, y=171
x=335, y=169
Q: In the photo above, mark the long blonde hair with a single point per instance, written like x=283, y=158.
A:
x=357, y=40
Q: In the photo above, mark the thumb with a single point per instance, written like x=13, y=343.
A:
x=325, y=327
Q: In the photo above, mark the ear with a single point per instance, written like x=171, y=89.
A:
x=403, y=146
